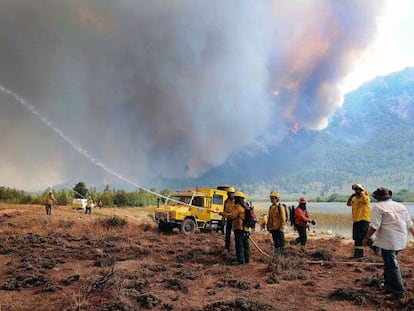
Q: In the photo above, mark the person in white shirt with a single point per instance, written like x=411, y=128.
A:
x=391, y=222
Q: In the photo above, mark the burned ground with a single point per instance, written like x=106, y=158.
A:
x=115, y=259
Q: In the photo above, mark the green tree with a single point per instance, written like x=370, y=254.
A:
x=80, y=190
x=107, y=198
x=120, y=198
x=63, y=197
x=165, y=192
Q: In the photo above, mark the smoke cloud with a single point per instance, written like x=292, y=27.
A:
x=167, y=88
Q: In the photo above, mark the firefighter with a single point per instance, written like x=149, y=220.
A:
x=263, y=221
x=50, y=200
x=302, y=221
x=89, y=205
x=251, y=207
x=361, y=217
x=241, y=233
x=228, y=208
x=276, y=222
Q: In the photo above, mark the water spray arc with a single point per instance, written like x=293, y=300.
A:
x=79, y=149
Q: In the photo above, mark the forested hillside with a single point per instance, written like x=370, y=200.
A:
x=369, y=140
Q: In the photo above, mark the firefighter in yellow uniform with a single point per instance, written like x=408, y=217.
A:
x=241, y=233
x=50, y=200
x=89, y=205
x=229, y=206
x=276, y=222
x=361, y=217
x=262, y=222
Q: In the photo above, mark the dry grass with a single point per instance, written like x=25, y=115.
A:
x=65, y=220
x=208, y=281
x=336, y=220
x=73, y=261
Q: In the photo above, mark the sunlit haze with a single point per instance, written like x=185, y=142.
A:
x=393, y=48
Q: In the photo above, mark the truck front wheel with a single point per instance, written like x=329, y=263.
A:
x=188, y=226
x=164, y=227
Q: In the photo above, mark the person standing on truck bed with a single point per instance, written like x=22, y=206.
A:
x=229, y=206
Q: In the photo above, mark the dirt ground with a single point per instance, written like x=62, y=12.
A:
x=115, y=259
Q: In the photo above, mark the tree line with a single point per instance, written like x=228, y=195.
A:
x=109, y=197
x=403, y=195
x=117, y=197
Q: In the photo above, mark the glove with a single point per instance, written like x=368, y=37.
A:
x=369, y=242
x=313, y=222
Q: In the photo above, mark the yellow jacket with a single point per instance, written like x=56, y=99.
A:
x=50, y=199
x=229, y=206
x=238, y=215
x=277, y=217
x=361, y=207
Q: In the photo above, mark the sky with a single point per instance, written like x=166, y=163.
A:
x=169, y=89
x=393, y=46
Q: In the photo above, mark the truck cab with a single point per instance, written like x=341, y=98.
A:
x=192, y=210
x=79, y=204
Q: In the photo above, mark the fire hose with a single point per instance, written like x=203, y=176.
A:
x=321, y=262
x=258, y=248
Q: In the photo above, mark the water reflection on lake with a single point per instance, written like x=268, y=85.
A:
x=340, y=208
x=331, y=217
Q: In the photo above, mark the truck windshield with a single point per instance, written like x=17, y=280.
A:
x=184, y=199
x=198, y=201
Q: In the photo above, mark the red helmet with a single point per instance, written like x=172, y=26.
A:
x=302, y=200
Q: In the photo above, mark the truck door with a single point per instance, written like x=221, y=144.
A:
x=217, y=206
x=200, y=208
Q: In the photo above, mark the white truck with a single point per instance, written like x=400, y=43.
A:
x=79, y=204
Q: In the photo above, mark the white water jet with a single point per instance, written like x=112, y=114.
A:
x=79, y=149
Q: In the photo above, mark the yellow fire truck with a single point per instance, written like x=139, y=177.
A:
x=192, y=210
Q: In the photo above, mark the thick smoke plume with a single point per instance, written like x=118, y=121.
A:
x=167, y=88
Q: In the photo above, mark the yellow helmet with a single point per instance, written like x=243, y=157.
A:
x=274, y=194
x=231, y=189
x=358, y=186
x=240, y=194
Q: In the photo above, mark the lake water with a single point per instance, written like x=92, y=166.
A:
x=338, y=208
x=338, y=221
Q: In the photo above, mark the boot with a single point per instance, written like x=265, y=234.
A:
x=375, y=249
x=371, y=245
x=358, y=252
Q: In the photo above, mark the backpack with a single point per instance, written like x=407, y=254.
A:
x=292, y=215
x=249, y=220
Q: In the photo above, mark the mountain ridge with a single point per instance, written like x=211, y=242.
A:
x=368, y=140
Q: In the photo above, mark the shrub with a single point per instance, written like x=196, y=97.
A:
x=114, y=222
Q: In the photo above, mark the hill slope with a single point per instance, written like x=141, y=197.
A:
x=369, y=140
